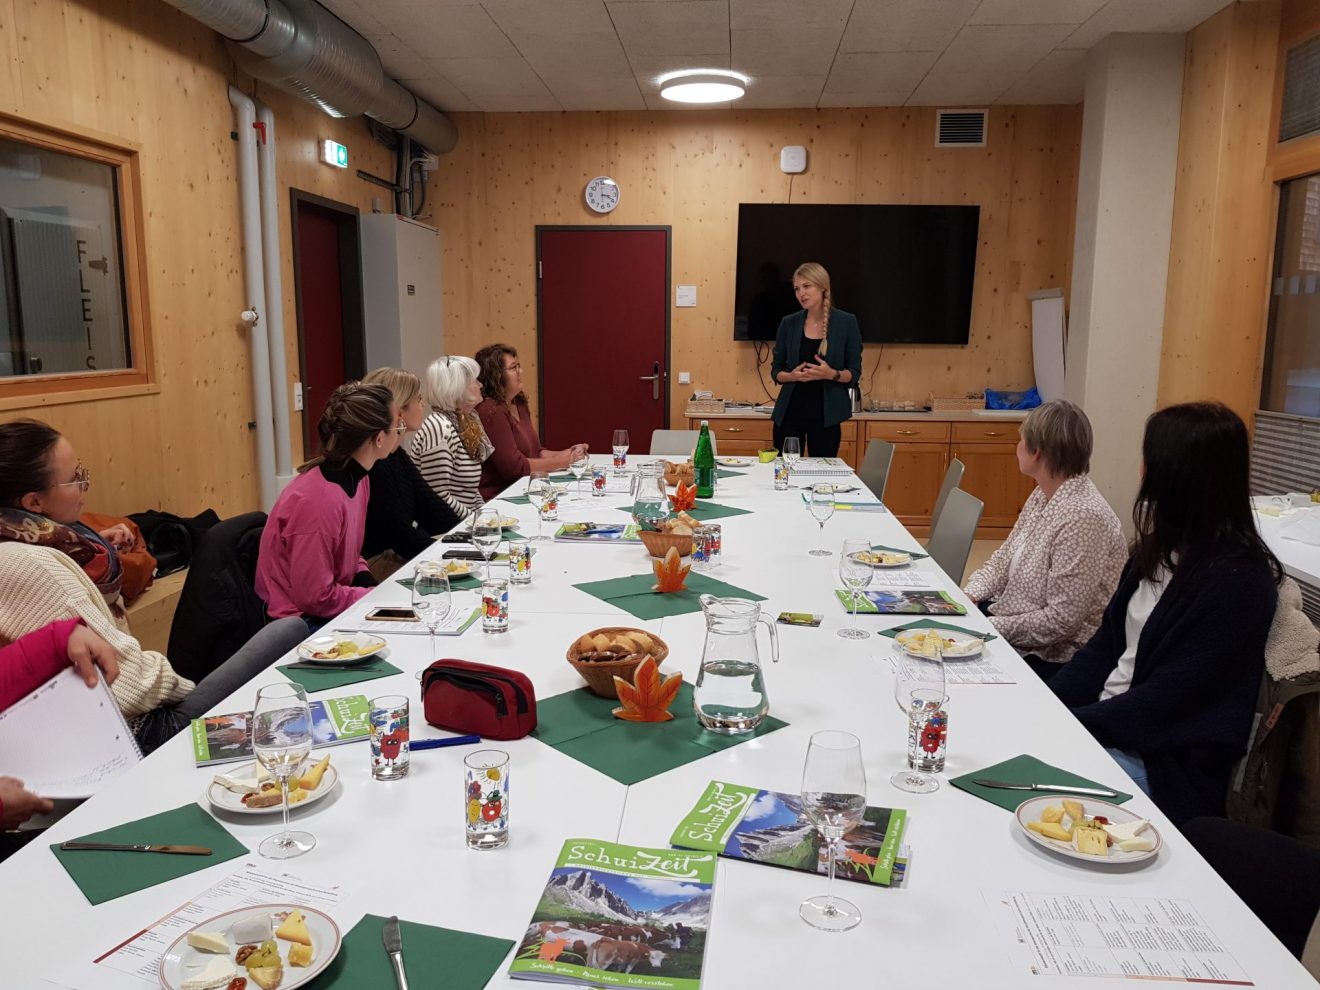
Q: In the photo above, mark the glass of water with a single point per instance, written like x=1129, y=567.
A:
x=281, y=740
x=790, y=451
x=855, y=571
x=486, y=798
x=487, y=532
x=539, y=491
x=431, y=597
x=579, y=466
x=834, y=799
x=822, y=507
x=921, y=693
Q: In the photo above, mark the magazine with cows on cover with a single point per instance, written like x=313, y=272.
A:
x=768, y=827
x=620, y=916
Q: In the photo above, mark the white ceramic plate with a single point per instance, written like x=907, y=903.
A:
x=964, y=646
x=1030, y=809
x=733, y=461
x=459, y=568
x=838, y=489
x=367, y=646
x=227, y=800
x=182, y=962
x=884, y=558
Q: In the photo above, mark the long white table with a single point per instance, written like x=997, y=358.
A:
x=398, y=847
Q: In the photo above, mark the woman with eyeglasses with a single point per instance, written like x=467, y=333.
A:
x=43, y=489
x=402, y=511
x=507, y=418
x=310, y=563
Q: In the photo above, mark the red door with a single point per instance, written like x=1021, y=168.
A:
x=604, y=335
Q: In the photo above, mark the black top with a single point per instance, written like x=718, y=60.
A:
x=1197, y=673
x=806, y=406
x=403, y=513
x=843, y=353
x=346, y=475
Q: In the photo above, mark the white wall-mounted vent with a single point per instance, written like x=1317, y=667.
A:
x=960, y=128
x=1301, y=91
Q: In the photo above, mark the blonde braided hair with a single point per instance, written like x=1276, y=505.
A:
x=820, y=278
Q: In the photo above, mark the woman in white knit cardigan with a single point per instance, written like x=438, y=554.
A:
x=39, y=586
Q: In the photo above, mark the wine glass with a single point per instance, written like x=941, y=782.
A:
x=539, y=490
x=281, y=740
x=822, y=507
x=855, y=570
x=790, y=452
x=620, y=450
x=487, y=531
x=920, y=690
x=431, y=597
x=834, y=799
x=578, y=465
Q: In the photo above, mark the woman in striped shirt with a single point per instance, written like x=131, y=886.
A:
x=451, y=445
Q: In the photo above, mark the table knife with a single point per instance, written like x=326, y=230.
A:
x=394, y=946
x=1052, y=788
x=141, y=848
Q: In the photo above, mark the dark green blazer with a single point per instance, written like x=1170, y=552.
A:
x=843, y=351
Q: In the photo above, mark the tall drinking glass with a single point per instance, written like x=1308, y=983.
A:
x=790, y=452
x=281, y=740
x=539, y=489
x=855, y=571
x=431, y=598
x=822, y=507
x=920, y=692
x=834, y=799
x=579, y=466
x=487, y=531
x=620, y=450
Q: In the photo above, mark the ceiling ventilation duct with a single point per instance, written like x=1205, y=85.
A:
x=304, y=49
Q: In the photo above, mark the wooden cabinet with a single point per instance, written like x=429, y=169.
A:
x=744, y=436
x=914, y=481
x=992, y=475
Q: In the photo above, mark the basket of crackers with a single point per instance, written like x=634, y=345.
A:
x=679, y=471
x=675, y=532
x=602, y=654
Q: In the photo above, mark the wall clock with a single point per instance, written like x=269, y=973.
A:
x=602, y=194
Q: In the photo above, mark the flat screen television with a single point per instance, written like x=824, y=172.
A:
x=905, y=272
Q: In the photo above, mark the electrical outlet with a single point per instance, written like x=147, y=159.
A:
x=297, y=397
x=684, y=378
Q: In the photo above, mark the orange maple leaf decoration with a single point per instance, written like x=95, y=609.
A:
x=670, y=573
x=685, y=497
x=648, y=698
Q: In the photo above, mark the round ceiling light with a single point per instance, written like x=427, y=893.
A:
x=703, y=86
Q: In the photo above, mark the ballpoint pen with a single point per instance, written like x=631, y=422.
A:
x=417, y=744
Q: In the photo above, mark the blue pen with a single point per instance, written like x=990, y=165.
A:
x=417, y=744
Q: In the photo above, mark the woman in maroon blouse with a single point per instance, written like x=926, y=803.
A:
x=508, y=422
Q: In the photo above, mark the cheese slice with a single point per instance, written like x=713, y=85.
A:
x=208, y=942
x=218, y=973
x=1091, y=842
x=239, y=785
x=1126, y=830
x=294, y=929
x=251, y=930
x=1138, y=844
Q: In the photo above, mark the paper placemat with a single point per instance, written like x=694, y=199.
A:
x=1026, y=769
x=581, y=724
x=634, y=595
x=984, y=637
x=467, y=961
x=315, y=679
x=103, y=876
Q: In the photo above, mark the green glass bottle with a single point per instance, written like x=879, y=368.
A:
x=703, y=463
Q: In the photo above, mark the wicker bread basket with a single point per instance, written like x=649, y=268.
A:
x=658, y=544
x=681, y=471
x=600, y=674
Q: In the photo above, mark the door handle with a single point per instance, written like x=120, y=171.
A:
x=654, y=379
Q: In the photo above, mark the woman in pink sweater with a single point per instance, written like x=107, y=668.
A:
x=310, y=563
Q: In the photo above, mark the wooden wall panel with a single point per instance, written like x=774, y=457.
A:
x=1223, y=218
x=147, y=74
x=691, y=169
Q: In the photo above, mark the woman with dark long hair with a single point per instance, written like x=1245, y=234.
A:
x=1169, y=681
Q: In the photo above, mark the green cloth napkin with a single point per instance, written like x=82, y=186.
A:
x=516, y=499
x=324, y=678
x=634, y=595
x=913, y=553
x=706, y=511
x=467, y=961
x=582, y=725
x=726, y=473
x=470, y=580
x=1026, y=770
x=936, y=624
x=103, y=876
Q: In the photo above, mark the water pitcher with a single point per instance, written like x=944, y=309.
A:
x=730, y=693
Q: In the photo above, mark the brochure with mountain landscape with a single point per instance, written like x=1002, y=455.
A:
x=589, y=532
x=911, y=601
x=768, y=827
x=620, y=916
x=228, y=738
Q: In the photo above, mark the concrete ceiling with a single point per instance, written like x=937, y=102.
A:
x=527, y=55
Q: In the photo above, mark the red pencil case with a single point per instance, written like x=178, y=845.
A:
x=492, y=702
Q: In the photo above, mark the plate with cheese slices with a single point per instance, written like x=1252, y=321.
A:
x=271, y=946
x=883, y=558
x=732, y=462
x=249, y=789
x=1088, y=830
x=956, y=645
x=340, y=649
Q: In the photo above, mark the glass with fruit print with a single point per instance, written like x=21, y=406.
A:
x=389, y=737
x=486, y=798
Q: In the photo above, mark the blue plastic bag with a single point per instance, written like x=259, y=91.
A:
x=1004, y=399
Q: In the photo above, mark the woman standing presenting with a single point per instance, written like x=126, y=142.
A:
x=818, y=354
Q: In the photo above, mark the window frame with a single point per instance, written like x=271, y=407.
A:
x=21, y=391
